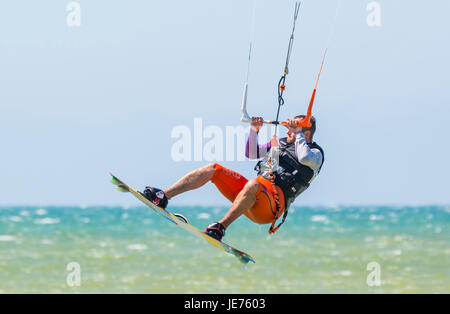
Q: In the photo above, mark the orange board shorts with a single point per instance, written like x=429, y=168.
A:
x=230, y=183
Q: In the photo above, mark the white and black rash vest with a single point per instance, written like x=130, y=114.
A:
x=291, y=175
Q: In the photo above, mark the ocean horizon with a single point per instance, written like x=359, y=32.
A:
x=320, y=249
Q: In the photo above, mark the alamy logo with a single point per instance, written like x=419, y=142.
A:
x=212, y=143
x=73, y=279
x=74, y=17
x=374, y=277
x=374, y=17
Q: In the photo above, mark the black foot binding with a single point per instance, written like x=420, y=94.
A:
x=156, y=196
x=216, y=230
x=181, y=217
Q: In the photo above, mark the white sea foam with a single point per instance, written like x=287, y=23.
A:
x=15, y=218
x=6, y=238
x=96, y=253
x=399, y=238
x=345, y=273
x=47, y=221
x=137, y=247
x=204, y=216
x=333, y=207
x=41, y=212
x=376, y=217
x=320, y=218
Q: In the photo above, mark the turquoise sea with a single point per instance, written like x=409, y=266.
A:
x=133, y=250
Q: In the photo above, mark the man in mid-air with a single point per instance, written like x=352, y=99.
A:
x=265, y=198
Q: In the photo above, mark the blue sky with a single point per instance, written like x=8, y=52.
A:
x=78, y=102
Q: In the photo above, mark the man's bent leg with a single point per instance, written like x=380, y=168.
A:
x=192, y=180
x=243, y=202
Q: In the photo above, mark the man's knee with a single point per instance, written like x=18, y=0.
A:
x=210, y=169
x=252, y=186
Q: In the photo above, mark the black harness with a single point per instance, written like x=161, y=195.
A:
x=290, y=175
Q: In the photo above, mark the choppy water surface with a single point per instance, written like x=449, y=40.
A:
x=132, y=250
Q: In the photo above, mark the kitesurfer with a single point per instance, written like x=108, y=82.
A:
x=265, y=198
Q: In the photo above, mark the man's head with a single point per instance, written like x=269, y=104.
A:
x=309, y=132
x=312, y=128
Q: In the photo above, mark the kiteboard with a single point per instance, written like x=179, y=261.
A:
x=241, y=256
